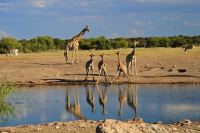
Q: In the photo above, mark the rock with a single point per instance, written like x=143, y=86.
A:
x=39, y=129
x=158, y=122
x=185, y=122
x=57, y=127
x=181, y=70
x=138, y=120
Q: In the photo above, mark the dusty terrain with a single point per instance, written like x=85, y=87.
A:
x=106, y=126
x=156, y=65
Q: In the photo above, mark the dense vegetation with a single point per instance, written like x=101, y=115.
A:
x=45, y=43
x=6, y=109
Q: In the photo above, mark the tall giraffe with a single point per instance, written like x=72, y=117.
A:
x=73, y=44
x=131, y=60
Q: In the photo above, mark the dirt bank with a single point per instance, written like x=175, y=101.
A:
x=156, y=65
x=106, y=126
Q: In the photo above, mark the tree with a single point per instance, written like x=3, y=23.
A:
x=9, y=43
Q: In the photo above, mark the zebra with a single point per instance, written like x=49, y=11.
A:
x=12, y=52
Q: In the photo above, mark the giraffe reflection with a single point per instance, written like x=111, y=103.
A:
x=90, y=97
x=122, y=99
x=74, y=107
x=132, y=97
x=103, y=97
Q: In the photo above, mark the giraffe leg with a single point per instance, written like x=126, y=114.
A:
x=116, y=76
x=76, y=54
x=131, y=67
x=135, y=67
x=127, y=67
x=72, y=61
x=127, y=76
x=93, y=74
x=99, y=76
x=87, y=72
x=67, y=55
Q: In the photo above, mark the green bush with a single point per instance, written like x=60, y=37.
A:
x=6, y=88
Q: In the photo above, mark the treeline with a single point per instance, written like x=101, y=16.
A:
x=46, y=43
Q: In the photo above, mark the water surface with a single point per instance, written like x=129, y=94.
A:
x=166, y=103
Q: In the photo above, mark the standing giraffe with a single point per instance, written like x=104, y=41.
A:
x=102, y=68
x=121, y=68
x=73, y=44
x=131, y=60
x=89, y=66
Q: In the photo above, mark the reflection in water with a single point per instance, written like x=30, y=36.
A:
x=102, y=97
x=6, y=111
x=132, y=98
x=74, y=107
x=122, y=99
x=97, y=102
x=90, y=97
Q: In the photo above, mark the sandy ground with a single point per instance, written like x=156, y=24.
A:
x=106, y=126
x=156, y=65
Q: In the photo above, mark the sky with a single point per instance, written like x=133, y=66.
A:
x=25, y=19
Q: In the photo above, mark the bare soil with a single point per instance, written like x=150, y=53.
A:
x=156, y=65
x=106, y=126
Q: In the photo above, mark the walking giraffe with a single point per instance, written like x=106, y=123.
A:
x=121, y=68
x=102, y=69
x=73, y=44
x=131, y=60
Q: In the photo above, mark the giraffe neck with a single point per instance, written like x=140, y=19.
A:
x=133, y=52
x=79, y=36
x=119, y=58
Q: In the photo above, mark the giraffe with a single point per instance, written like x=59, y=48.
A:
x=102, y=68
x=130, y=60
x=74, y=108
x=132, y=98
x=122, y=99
x=73, y=44
x=103, y=98
x=90, y=97
x=121, y=68
x=89, y=66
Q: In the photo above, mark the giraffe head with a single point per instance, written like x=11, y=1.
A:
x=118, y=53
x=91, y=55
x=135, y=43
x=102, y=55
x=86, y=28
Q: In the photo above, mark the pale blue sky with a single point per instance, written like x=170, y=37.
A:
x=109, y=18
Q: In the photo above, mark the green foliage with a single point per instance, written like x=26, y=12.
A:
x=9, y=43
x=6, y=88
x=45, y=43
x=6, y=109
